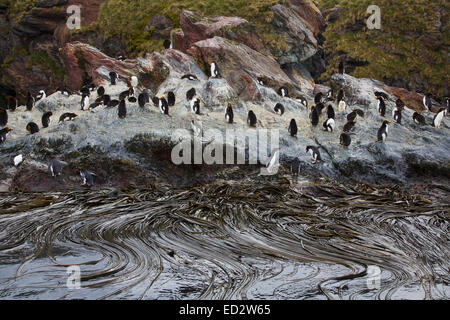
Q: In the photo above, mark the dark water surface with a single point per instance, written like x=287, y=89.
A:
x=250, y=239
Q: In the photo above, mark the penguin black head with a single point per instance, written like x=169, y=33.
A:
x=386, y=122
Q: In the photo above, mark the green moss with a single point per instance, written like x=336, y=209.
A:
x=128, y=18
x=17, y=8
x=395, y=51
x=45, y=62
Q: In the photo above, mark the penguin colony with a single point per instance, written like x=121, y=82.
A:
x=321, y=102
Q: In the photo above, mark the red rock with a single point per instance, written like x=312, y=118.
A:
x=412, y=100
x=240, y=66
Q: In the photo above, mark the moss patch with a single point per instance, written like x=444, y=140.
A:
x=45, y=62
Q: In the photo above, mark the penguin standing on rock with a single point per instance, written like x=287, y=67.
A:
x=167, y=44
x=427, y=101
x=302, y=100
x=84, y=102
x=418, y=118
x=342, y=106
x=314, y=116
x=229, y=113
x=55, y=167
x=279, y=109
x=214, y=70
x=195, y=105
x=142, y=99
x=439, y=117
x=100, y=91
x=3, y=117
x=251, y=119
x=190, y=94
x=318, y=98
x=87, y=177
x=163, y=106
x=171, y=98
x=329, y=124
x=41, y=95
x=4, y=133
x=32, y=128
x=134, y=82
x=46, y=119
x=340, y=96
x=295, y=167
x=189, y=77
x=30, y=102
x=67, y=117
x=293, y=128
x=314, y=152
x=398, y=115
x=383, y=131
x=113, y=78
x=283, y=91
x=381, y=106
x=122, y=112
x=345, y=139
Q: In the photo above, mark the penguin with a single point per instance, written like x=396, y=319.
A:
x=214, y=70
x=295, y=167
x=302, y=100
x=67, y=117
x=197, y=129
x=314, y=152
x=147, y=95
x=124, y=94
x=113, y=103
x=100, y=91
x=341, y=68
x=319, y=107
x=342, y=105
x=318, y=98
x=3, y=117
x=132, y=99
x=32, y=128
x=189, y=77
x=171, y=98
x=261, y=81
x=418, y=118
x=330, y=112
x=106, y=99
x=18, y=160
x=229, y=113
x=121, y=58
x=351, y=116
x=41, y=95
x=134, y=81
x=439, y=117
x=113, y=77
x=293, y=128
x=314, y=116
x=131, y=92
x=46, y=119
x=13, y=103
x=84, y=102
x=279, y=109
x=92, y=87
x=329, y=96
x=283, y=91
x=94, y=105
x=348, y=126
x=427, y=101
x=340, y=96
x=381, y=106
x=142, y=99
x=190, y=94
x=167, y=44
x=55, y=167
x=30, y=102
x=399, y=103
x=195, y=105
x=345, y=139
x=4, y=133
x=87, y=177
x=163, y=106
x=251, y=119
x=122, y=110
x=329, y=124
x=398, y=116
x=155, y=101
x=383, y=131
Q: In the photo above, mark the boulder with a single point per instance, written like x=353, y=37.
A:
x=196, y=28
x=240, y=66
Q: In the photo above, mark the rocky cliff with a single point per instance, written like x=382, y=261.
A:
x=136, y=151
